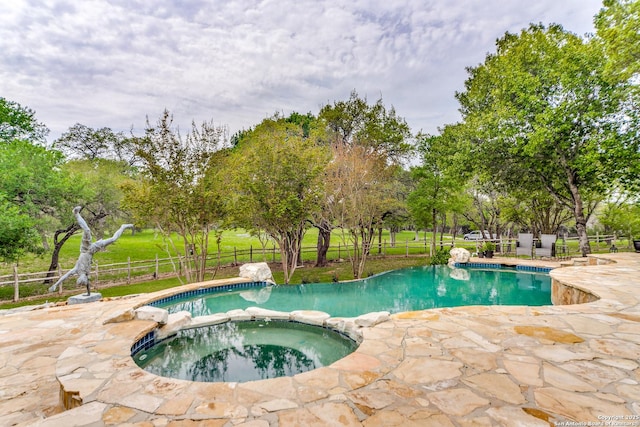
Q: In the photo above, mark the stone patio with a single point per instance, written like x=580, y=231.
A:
x=469, y=366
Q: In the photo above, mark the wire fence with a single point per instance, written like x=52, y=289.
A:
x=27, y=284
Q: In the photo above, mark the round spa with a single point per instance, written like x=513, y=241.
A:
x=242, y=351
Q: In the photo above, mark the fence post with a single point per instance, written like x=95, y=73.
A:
x=235, y=256
x=251, y=253
x=406, y=248
x=128, y=270
x=273, y=251
x=97, y=274
x=157, y=273
x=16, y=286
x=60, y=275
x=339, y=254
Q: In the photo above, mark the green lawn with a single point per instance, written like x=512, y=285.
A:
x=145, y=245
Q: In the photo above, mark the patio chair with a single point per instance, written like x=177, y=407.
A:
x=547, y=245
x=524, y=244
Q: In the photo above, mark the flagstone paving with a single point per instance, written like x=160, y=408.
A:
x=467, y=366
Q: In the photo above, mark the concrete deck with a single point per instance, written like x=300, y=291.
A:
x=469, y=366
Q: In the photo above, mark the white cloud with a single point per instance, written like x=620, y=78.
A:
x=112, y=63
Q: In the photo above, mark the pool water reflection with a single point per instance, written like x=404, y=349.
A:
x=245, y=351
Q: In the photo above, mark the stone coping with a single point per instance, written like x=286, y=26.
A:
x=478, y=365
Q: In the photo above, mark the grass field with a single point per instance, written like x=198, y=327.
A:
x=146, y=244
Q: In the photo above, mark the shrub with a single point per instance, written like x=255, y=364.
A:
x=440, y=257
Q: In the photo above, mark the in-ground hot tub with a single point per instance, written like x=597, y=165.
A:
x=240, y=351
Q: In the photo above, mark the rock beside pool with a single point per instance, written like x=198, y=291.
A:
x=177, y=321
x=310, y=317
x=257, y=271
x=155, y=314
x=263, y=313
x=372, y=319
x=460, y=255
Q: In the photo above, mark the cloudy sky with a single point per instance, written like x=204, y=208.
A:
x=113, y=63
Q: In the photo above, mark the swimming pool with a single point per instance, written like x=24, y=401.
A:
x=415, y=288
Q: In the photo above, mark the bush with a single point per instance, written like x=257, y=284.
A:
x=440, y=257
x=489, y=246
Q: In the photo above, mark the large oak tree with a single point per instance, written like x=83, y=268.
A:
x=542, y=116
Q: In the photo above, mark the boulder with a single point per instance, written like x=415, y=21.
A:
x=257, y=271
x=125, y=316
x=263, y=313
x=175, y=323
x=372, y=319
x=460, y=255
x=209, y=320
x=311, y=317
x=238, y=314
x=155, y=314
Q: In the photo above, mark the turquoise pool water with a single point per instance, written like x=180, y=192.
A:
x=415, y=288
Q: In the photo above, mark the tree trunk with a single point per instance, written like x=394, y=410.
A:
x=581, y=220
x=444, y=224
x=57, y=246
x=324, y=240
x=434, y=216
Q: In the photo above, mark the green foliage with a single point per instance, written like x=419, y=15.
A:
x=541, y=116
x=440, y=257
x=617, y=25
x=535, y=211
x=102, y=192
x=367, y=141
x=35, y=181
x=17, y=233
x=276, y=181
x=179, y=191
x=355, y=122
x=439, y=185
x=83, y=142
x=488, y=246
x=623, y=219
x=18, y=122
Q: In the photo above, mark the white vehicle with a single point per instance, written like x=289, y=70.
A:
x=477, y=235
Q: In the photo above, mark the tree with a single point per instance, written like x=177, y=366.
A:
x=439, y=184
x=174, y=192
x=101, y=197
x=359, y=189
x=537, y=212
x=18, y=122
x=378, y=131
x=276, y=180
x=542, y=116
x=617, y=25
x=83, y=142
x=35, y=181
x=622, y=217
x=17, y=233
